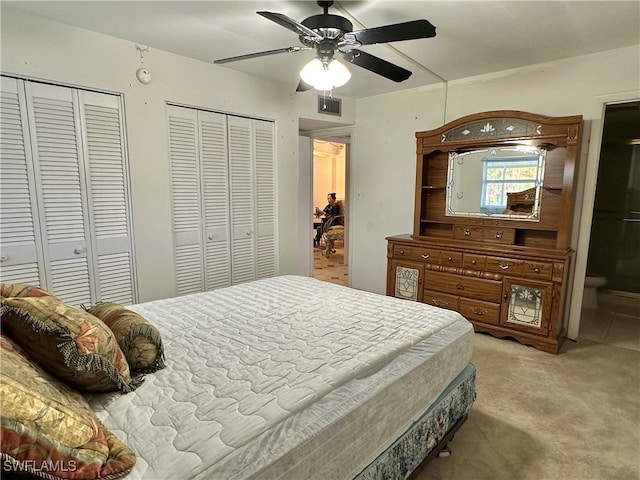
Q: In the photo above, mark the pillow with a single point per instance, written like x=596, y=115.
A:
x=139, y=340
x=22, y=290
x=70, y=343
x=48, y=429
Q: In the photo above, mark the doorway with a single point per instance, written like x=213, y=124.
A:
x=615, y=230
x=330, y=157
x=613, y=317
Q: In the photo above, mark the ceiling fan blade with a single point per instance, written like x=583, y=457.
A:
x=261, y=54
x=291, y=24
x=393, y=33
x=377, y=65
x=303, y=86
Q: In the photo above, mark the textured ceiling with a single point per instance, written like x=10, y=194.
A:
x=472, y=38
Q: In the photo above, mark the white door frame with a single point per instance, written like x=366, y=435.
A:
x=335, y=135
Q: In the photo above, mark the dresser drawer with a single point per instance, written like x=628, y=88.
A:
x=505, y=236
x=449, y=258
x=540, y=270
x=478, y=311
x=474, y=262
x=440, y=299
x=506, y=266
x=427, y=255
x=462, y=232
x=479, y=289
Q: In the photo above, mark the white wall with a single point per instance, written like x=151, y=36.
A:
x=39, y=49
x=383, y=162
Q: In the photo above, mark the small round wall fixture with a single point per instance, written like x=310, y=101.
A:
x=144, y=76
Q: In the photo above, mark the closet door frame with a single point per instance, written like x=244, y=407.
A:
x=40, y=141
x=242, y=239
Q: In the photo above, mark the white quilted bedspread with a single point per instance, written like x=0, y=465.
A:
x=245, y=363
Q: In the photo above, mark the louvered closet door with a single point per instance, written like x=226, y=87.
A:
x=108, y=192
x=215, y=193
x=55, y=130
x=20, y=253
x=243, y=234
x=265, y=192
x=186, y=205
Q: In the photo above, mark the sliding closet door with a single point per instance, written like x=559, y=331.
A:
x=20, y=252
x=186, y=194
x=243, y=232
x=108, y=191
x=265, y=194
x=55, y=129
x=223, y=195
x=215, y=196
x=65, y=217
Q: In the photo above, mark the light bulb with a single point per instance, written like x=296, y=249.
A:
x=339, y=73
x=311, y=70
x=325, y=77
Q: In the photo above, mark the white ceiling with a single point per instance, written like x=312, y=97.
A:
x=472, y=38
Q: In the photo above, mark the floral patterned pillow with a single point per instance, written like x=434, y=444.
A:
x=48, y=429
x=22, y=290
x=139, y=340
x=70, y=343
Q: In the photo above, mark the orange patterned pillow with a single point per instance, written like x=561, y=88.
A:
x=70, y=343
x=139, y=340
x=49, y=430
x=22, y=290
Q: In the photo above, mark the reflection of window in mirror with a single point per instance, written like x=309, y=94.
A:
x=501, y=182
x=506, y=175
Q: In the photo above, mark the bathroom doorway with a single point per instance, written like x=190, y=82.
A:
x=614, y=246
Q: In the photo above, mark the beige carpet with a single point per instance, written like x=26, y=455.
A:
x=538, y=416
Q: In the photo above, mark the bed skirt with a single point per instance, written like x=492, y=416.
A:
x=408, y=452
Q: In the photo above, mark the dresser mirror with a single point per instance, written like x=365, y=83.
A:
x=497, y=182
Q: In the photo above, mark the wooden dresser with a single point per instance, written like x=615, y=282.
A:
x=501, y=258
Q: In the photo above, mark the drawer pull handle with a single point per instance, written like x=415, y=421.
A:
x=466, y=232
x=473, y=262
x=450, y=259
x=78, y=250
x=477, y=311
x=401, y=252
x=460, y=286
x=425, y=255
x=537, y=270
x=4, y=258
x=498, y=235
x=440, y=303
x=504, y=266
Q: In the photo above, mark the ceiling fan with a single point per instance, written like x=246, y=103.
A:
x=328, y=34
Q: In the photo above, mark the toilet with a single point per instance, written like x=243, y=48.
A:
x=591, y=284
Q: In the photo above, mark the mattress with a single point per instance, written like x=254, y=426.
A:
x=286, y=377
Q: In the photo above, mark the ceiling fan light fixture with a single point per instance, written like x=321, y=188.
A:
x=325, y=76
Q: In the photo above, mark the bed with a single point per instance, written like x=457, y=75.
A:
x=293, y=378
